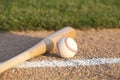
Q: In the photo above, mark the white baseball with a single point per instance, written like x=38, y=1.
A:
x=66, y=47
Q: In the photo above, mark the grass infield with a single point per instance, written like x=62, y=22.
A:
x=55, y=14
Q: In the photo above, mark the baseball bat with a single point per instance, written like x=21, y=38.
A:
x=47, y=44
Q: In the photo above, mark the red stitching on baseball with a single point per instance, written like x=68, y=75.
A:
x=69, y=47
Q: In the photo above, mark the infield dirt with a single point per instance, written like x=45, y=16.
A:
x=91, y=44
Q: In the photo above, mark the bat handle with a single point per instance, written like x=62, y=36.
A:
x=38, y=49
x=14, y=61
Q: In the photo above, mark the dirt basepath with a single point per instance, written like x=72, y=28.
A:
x=92, y=44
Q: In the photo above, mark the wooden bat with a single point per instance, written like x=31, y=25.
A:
x=46, y=44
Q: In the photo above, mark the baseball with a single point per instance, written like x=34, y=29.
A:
x=66, y=47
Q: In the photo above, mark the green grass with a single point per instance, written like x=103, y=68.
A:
x=55, y=14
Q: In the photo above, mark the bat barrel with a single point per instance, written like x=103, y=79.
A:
x=49, y=43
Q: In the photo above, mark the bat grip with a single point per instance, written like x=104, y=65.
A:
x=40, y=48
